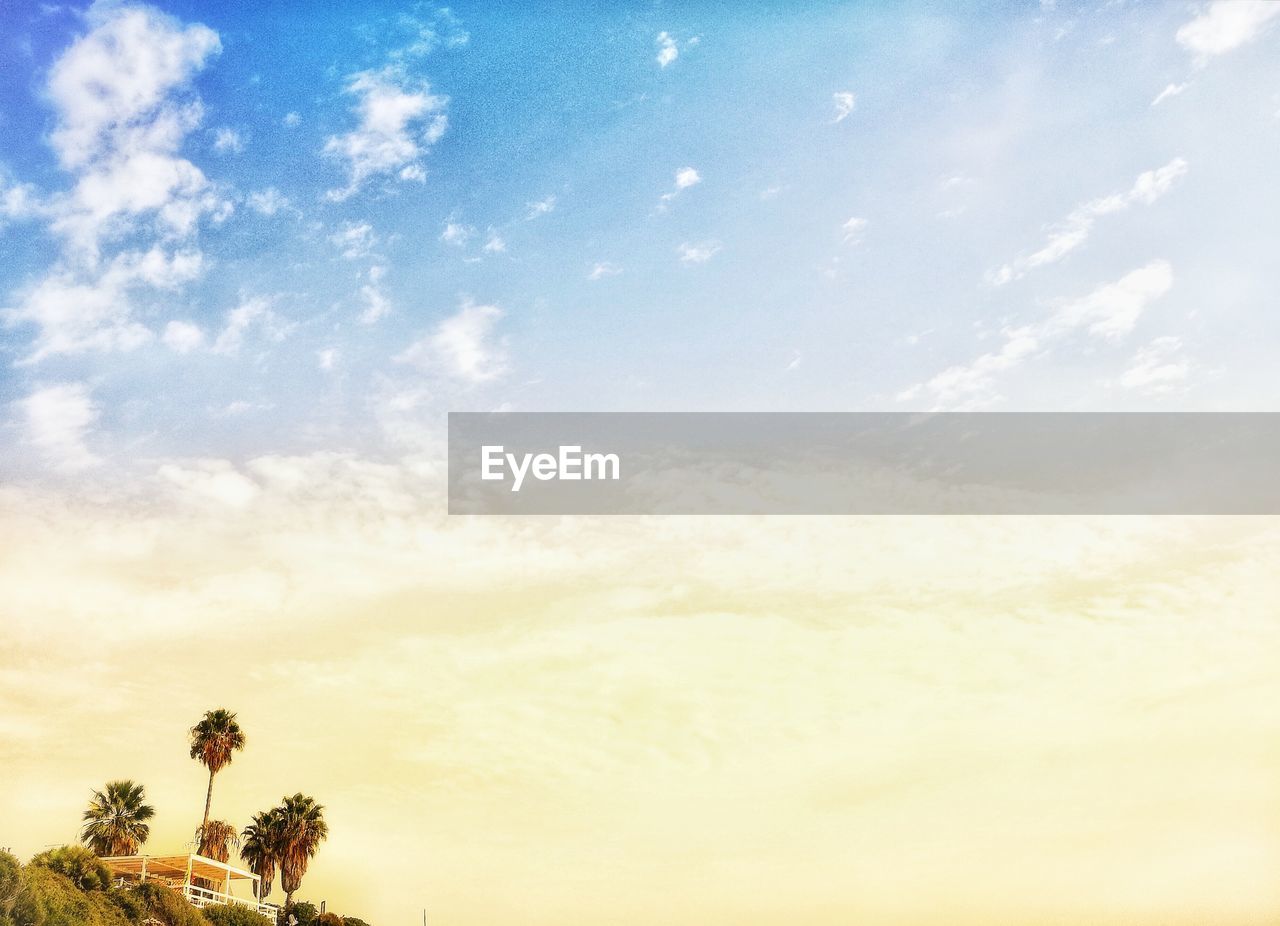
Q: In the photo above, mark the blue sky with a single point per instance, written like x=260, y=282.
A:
x=294, y=230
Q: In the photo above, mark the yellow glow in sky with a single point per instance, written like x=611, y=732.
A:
x=682, y=721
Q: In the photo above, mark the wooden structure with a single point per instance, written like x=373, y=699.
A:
x=203, y=881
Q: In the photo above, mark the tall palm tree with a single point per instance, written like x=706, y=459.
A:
x=116, y=820
x=302, y=829
x=213, y=740
x=260, y=848
x=215, y=840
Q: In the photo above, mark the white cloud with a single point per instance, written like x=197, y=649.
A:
x=685, y=178
x=1157, y=369
x=967, y=386
x=354, y=239
x=123, y=109
x=55, y=420
x=494, y=244
x=462, y=346
x=540, y=207
x=215, y=481
x=251, y=313
x=844, y=102
x=327, y=359
x=457, y=234
x=19, y=201
x=1224, y=26
x=1171, y=90
x=376, y=305
x=668, y=49
x=267, y=202
x=399, y=120
x=291, y=120
x=228, y=141
x=1075, y=229
x=854, y=229
x=1109, y=312
x=602, y=269
x=182, y=337
x=427, y=33
x=77, y=312
x=698, y=253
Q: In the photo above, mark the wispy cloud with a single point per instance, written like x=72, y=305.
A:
x=56, y=420
x=228, y=141
x=354, y=239
x=1225, y=25
x=462, y=347
x=1169, y=91
x=77, y=312
x=456, y=233
x=1073, y=231
x=668, y=49
x=1108, y=313
x=540, y=207
x=602, y=269
x=399, y=120
x=699, y=252
x=376, y=305
x=252, y=313
x=267, y=202
x=844, y=102
x=182, y=337
x=854, y=229
x=1160, y=368
x=685, y=178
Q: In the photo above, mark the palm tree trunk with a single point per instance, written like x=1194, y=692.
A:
x=288, y=903
x=208, y=800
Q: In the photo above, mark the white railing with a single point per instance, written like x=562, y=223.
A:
x=203, y=897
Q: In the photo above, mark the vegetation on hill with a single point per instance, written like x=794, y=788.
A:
x=71, y=886
x=68, y=886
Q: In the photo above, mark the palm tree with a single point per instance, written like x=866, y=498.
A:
x=116, y=821
x=260, y=848
x=213, y=740
x=215, y=840
x=302, y=829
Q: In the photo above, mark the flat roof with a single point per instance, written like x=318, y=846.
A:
x=176, y=866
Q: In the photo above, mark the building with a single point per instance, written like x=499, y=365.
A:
x=203, y=881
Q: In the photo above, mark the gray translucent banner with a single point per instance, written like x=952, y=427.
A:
x=863, y=463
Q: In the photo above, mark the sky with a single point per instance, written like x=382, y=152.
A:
x=253, y=255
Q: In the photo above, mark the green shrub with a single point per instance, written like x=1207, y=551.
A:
x=231, y=915
x=80, y=866
x=128, y=902
x=166, y=905
x=48, y=898
x=10, y=884
x=353, y=921
x=329, y=919
x=305, y=912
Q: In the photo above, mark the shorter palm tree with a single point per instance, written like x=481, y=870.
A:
x=215, y=840
x=302, y=829
x=260, y=848
x=116, y=821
